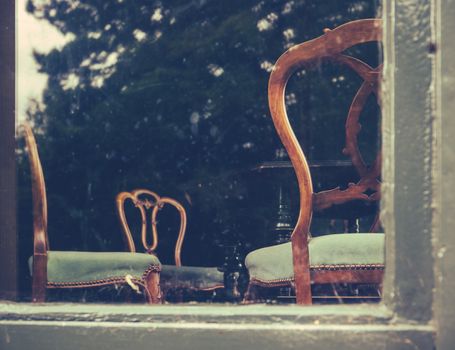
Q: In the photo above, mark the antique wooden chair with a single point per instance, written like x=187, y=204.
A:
x=76, y=269
x=334, y=258
x=173, y=277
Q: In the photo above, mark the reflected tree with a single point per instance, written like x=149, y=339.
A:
x=170, y=96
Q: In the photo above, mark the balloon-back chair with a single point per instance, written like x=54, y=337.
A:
x=334, y=258
x=77, y=269
x=173, y=277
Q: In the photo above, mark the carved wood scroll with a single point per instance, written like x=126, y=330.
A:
x=147, y=201
x=369, y=176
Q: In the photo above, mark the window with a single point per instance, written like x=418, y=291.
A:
x=111, y=115
x=408, y=217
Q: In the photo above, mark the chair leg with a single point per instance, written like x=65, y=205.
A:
x=38, y=294
x=39, y=279
x=164, y=294
x=152, y=284
x=251, y=294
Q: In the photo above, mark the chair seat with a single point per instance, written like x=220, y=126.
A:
x=330, y=252
x=78, y=269
x=191, y=277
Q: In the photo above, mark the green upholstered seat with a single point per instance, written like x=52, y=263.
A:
x=351, y=250
x=73, y=267
x=191, y=277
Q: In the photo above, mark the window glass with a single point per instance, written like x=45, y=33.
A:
x=171, y=97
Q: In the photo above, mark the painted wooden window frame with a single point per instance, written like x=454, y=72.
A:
x=418, y=169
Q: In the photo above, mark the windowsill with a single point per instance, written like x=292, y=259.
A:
x=204, y=327
x=362, y=314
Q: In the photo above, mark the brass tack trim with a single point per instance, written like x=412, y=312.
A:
x=280, y=282
x=105, y=281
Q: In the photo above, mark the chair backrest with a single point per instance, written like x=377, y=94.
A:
x=145, y=200
x=329, y=46
x=40, y=237
x=369, y=175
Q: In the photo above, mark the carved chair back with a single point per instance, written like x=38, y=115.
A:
x=148, y=202
x=330, y=46
x=369, y=175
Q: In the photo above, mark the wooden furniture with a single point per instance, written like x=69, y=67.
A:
x=72, y=269
x=173, y=277
x=336, y=258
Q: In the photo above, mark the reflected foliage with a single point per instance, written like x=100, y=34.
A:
x=172, y=96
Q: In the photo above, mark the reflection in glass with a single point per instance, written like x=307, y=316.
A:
x=172, y=97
